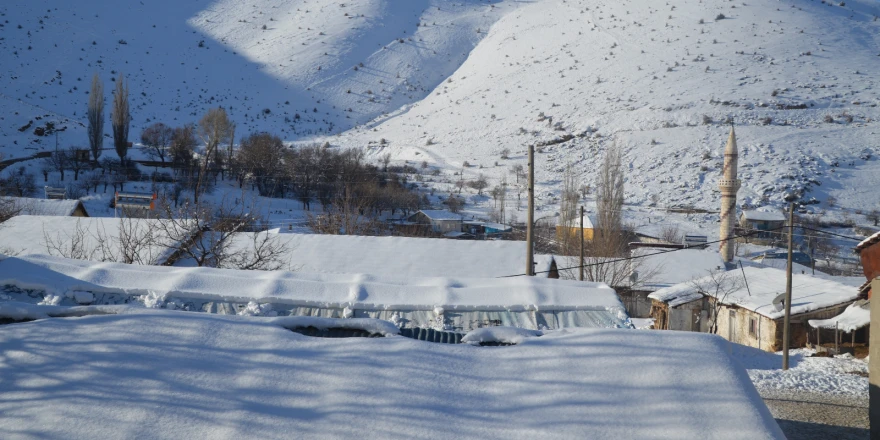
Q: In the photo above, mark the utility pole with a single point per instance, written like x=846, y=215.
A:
x=530, y=235
x=786, y=330
x=581, y=235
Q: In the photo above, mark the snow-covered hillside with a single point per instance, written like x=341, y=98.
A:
x=296, y=68
x=662, y=80
x=449, y=82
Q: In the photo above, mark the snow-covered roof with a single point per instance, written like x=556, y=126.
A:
x=441, y=215
x=856, y=316
x=90, y=238
x=249, y=377
x=868, y=242
x=360, y=291
x=576, y=222
x=781, y=263
x=764, y=215
x=33, y=206
x=497, y=226
x=401, y=256
x=760, y=287
x=661, y=268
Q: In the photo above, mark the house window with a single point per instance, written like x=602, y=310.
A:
x=753, y=327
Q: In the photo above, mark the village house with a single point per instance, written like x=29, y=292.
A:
x=764, y=224
x=655, y=268
x=743, y=306
x=48, y=207
x=437, y=221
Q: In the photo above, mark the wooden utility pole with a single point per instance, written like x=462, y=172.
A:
x=530, y=235
x=786, y=330
x=581, y=235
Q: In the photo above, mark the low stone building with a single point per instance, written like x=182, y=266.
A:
x=741, y=305
x=761, y=225
x=437, y=221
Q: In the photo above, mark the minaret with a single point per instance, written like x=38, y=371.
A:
x=729, y=185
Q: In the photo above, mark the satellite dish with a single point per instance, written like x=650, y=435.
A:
x=779, y=301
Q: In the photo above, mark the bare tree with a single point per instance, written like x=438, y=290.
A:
x=9, y=207
x=96, y=118
x=717, y=285
x=606, y=254
x=156, y=138
x=264, y=251
x=873, y=216
x=671, y=234
x=205, y=234
x=67, y=245
x=479, y=184
x=183, y=146
x=77, y=161
x=610, y=197
x=346, y=215
x=214, y=128
x=120, y=118
x=454, y=203
x=58, y=161
x=19, y=183
x=518, y=171
x=568, y=224
x=262, y=156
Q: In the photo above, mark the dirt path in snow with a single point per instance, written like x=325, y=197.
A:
x=813, y=416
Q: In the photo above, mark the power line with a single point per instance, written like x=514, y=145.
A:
x=831, y=233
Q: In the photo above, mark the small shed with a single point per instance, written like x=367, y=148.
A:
x=740, y=305
x=437, y=220
x=855, y=322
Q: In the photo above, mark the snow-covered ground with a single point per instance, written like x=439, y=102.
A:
x=840, y=375
x=161, y=374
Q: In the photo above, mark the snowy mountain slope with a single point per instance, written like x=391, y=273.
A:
x=292, y=67
x=661, y=81
x=473, y=78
